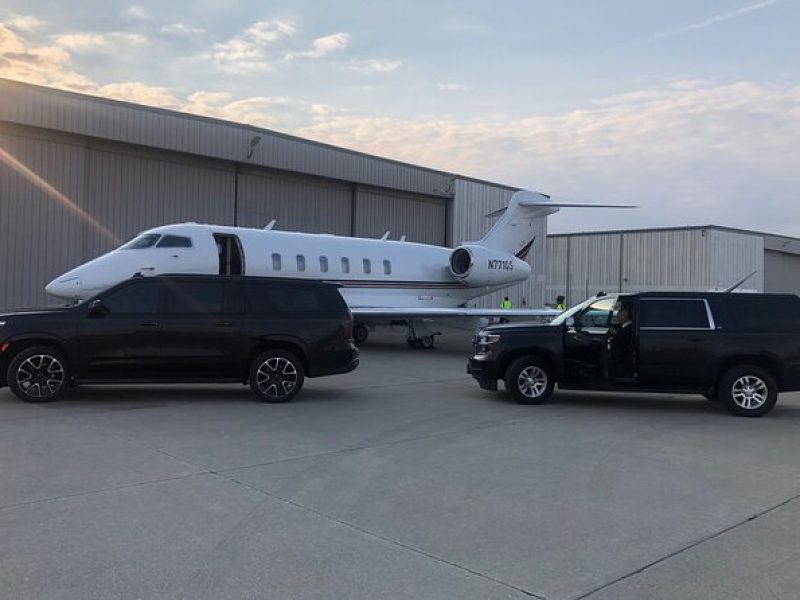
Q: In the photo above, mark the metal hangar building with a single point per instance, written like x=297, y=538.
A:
x=81, y=174
x=692, y=259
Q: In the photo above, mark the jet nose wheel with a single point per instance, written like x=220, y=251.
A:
x=360, y=333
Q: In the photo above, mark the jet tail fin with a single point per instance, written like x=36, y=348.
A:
x=515, y=229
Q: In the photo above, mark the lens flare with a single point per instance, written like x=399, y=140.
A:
x=48, y=189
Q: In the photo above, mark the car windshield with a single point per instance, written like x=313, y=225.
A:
x=571, y=312
x=147, y=240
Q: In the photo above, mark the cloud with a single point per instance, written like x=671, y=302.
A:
x=26, y=23
x=247, y=53
x=372, y=66
x=701, y=153
x=182, y=30
x=138, y=12
x=454, y=87
x=89, y=42
x=716, y=19
x=140, y=93
x=323, y=46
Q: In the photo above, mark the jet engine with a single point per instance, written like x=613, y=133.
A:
x=480, y=266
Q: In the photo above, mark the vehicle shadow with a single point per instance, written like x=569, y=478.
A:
x=649, y=403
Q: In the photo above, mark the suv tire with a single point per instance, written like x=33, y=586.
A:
x=748, y=391
x=276, y=376
x=38, y=374
x=529, y=380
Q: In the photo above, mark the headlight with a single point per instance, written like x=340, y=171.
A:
x=2, y=323
x=485, y=342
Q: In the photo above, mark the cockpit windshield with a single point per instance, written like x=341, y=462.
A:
x=147, y=240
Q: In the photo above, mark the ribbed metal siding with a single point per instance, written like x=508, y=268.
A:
x=665, y=260
x=419, y=219
x=298, y=203
x=39, y=235
x=97, y=117
x=473, y=200
x=131, y=192
x=731, y=256
x=582, y=266
x=781, y=272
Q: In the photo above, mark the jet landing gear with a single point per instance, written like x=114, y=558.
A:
x=421, y=337
x=360, y=333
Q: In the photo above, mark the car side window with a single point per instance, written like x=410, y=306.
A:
x=195, y=297
x=598, y=314
x=676, y=313
x=138, y=298
x=270, y=299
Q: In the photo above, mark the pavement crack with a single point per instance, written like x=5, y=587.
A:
x=688, y=547
x=380, y=537
x=112, y=488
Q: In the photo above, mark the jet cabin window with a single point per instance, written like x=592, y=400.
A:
x=345, y=264
x=323, y=264
x=387, y=267
x=276, y=261
x=174, y=241
x=367, y=266
x=301, y=262
x=148, y=240
x=231, y=257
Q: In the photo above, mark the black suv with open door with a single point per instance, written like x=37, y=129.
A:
x=741, y=349
x=271, y=333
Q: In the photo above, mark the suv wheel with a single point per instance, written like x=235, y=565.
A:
x=748, y=391
x=529, y=380
x=38, y=374
x=276, y=376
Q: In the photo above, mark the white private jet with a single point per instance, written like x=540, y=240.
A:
x=382, y=280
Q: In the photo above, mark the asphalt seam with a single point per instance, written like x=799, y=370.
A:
x=688, y=547
x=377, y=536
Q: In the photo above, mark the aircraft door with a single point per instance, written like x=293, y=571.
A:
x=231, y=255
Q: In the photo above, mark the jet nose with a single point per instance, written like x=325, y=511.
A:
x=65, y=287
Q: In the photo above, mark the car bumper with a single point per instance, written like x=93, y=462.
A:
x=349, y=363
x=484, y=372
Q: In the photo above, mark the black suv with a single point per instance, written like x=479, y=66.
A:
x=741, y=349
x=182, y=328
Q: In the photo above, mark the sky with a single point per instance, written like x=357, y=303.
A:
x=689, y=109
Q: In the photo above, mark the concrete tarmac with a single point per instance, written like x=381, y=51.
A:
x=400, y=480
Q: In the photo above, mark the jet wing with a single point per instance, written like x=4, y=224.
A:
x=444, y=313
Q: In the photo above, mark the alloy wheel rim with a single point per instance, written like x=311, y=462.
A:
x=40, y=376
x=749, y=392
x=532, y=381
x=276, y=377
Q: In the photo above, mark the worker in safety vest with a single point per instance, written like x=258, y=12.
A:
x=506, y=304
x=560, y=304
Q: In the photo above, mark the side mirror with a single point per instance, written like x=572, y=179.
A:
x=97, y=310
x=570, y=322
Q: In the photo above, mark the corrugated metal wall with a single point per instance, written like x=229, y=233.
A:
x=297, y=203
x=733, y=256
x=421, y=220
x=473, y=200
x=781, y=272
x=39, y=232
x=129, y=191
x=581, y=265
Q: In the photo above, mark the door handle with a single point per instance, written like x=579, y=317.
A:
x=150, y=324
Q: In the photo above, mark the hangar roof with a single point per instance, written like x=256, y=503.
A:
x=92, y=116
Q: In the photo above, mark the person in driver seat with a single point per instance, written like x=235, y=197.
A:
x=620, y=345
